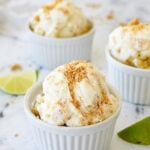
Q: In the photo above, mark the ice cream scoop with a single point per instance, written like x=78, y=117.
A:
x=59, y=19
x=75, y=94
x=130, y=44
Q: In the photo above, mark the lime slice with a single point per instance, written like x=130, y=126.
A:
x=18, y=83
x=138, y=133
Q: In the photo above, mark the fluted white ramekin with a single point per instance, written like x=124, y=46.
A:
x=50, y=137
x=52, y=52
x=133, y=83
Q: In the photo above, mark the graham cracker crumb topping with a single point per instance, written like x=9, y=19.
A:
x=136, y=21
x=75, y=72
x=37, y=18
x=122, y=24
x=35, y=112
x=49, y=7
x=135, y=26
x=65, y=11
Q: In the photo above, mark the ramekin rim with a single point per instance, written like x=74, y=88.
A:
x=44, y=124
x=91, y=31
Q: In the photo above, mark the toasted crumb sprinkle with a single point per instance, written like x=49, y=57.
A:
x=65, y=11
x=16, y=67
x=16, y=135
x=135, y=21
x=49, y=7
x=93, y=5
x=110, y=14
x=122, y=24
x=37, y=18
x=75, y=72
x=35, y=112
x=135, y=25
x=58, y=1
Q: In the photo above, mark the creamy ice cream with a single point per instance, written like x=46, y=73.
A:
x=130, y=44
x=75, y=94
x=60, y=19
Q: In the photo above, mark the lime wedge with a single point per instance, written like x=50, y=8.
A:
x=18, y=83
x=137, y=133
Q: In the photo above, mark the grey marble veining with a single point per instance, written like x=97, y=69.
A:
x=15, y=132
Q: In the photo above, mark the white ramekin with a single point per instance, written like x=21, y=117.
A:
x=52, y=52
x=49, y=137
x=132, y=83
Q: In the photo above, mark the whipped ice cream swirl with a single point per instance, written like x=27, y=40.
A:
x=75, y=94
x=60, y=19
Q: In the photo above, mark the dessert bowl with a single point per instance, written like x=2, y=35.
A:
x=133, y=83
x=51, y=52
x=50, y=137
x=58, y=33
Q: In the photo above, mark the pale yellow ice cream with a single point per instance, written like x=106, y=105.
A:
x=75, y=94
x=60, y=19
x=130, y=44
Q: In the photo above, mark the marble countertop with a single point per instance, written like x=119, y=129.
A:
x=14, y=129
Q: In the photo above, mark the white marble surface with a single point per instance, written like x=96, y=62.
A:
x=15, y=132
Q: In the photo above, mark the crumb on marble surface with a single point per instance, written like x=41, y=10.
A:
x=93, y=5
x=110, y=14
x=16, y=67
